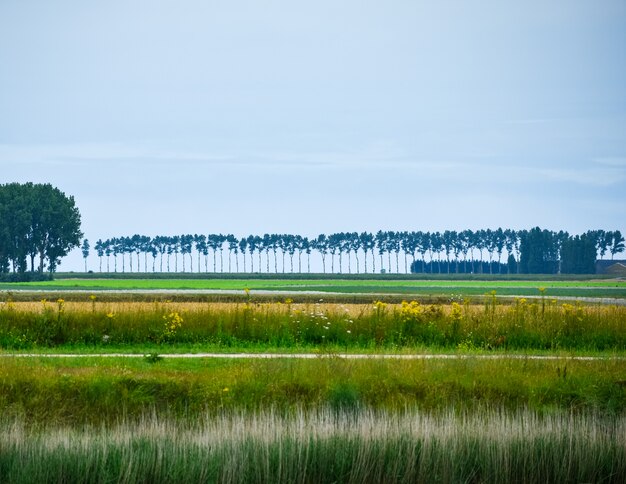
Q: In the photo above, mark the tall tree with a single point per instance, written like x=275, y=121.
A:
x=538, y=252
x=243, y=246
x=85, y=250
x=368, y=245
x=100, y=251
x=578, y=255
x=199, y=241
x=617, y=243
x=186, y=246
x=37, y=221
x=321, y=245
x=447, y=240
x=233, y=247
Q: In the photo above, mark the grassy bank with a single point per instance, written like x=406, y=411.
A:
x=324, y=446
x=96, y=390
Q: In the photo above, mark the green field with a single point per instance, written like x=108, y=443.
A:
x=323, y=419
x=100, y=390
x=557, y=288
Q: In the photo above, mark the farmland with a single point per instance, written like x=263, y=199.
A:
x=608, y=288
x=318, y=419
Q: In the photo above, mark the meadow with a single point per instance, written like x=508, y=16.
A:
x=321, y=420
x=347, y=284
x=542, y=324
x=325, y=419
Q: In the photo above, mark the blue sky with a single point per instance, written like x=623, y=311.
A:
x=307, y=117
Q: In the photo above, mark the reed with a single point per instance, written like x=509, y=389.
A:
x=325, y=445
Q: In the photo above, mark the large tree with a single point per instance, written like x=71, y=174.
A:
x=37, y=222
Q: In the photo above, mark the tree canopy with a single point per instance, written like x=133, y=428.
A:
x=39, y=225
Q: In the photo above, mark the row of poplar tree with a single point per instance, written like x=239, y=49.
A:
x=482, y=251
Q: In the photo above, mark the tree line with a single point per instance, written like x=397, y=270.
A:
x=482, y=251
x=39, y=225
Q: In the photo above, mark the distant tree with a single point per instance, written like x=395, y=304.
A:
x=300, y=244
x=447, y=240
x=394, y=239
x=267, y=244
x=367, y=244
x=381, y=244
x=243, y=246
x=37, y=221
x=145, y=244
x=321, y=245
x=499, y=243
x=252, y=246
x=85, y=250
x=108, y=250
x=306, y=244
x=186, y=246
x=290, y=246
x=233, y=247
x=539, y=252
x=100, y=251
x=422, y=244
x=617, y=243
x=578, y=255
x=334, y=246
x=436, y=243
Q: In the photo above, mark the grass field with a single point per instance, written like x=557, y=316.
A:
x=326, y=419
x=94, y=390
x=538, y=325
x=323, y=420
x=574, y=288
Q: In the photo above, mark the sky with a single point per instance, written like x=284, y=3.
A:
x=247, y=117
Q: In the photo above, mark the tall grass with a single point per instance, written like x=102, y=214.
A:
x=542, y=324
x=324, y=446
x=95, y=390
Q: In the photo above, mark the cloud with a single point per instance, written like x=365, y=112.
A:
x=617, y=161
x=384, y=157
